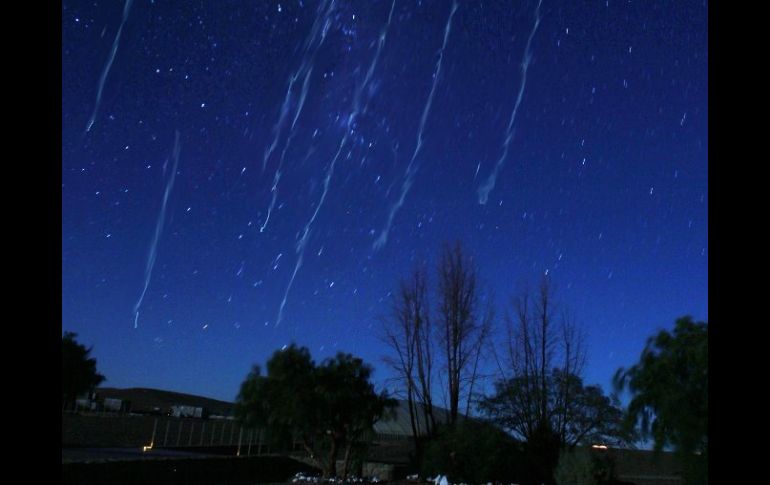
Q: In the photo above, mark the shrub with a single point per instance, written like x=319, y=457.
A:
x=583, y=467
x=473, y=452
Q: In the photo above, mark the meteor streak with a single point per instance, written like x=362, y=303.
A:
x=302, y=243
x=108, y=65
x=158, y=229
x=306, y=67
x=487, y=187
x=412, y=168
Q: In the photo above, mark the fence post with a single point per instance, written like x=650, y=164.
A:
x=179, y=435
x=232, y=432
x=213, y=432
x=251, y=437
x=203, y=431
x=240, y=434
x=192, y=430
x=222, y=435
x=154, y=427
x=165, y=437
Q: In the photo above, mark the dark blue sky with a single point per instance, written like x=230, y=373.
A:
x=604, y=185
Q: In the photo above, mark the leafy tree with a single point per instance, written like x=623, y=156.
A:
x=348, y=404
x=282, y=403
x=669, y=388
x=328, y=408
x=79, y=374
x=589, y=417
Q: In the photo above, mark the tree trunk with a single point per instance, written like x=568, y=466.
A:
x=331, y=466
x=413, y=414
x=346, y=464
x=310, y=453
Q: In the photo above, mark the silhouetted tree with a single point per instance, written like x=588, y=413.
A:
x=462, y=325
x=669, y=389
x=453, y=337
x=348, y=404
x=79, y=374
x=282, y=403
x=589, y=417
x=540, y=397
x=409, y=335
x=328, y=408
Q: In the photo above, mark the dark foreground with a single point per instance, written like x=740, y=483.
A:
x=115, y=468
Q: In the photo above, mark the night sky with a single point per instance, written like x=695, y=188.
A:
x=238, y=175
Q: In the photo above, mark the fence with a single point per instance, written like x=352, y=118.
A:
x=160, y=432
x=99, y=430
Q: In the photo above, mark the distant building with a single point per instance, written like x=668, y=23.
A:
x=85, y=404
x=112, y=405
x=181, y=411
x=158, y=402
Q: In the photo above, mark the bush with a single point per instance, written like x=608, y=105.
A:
x=583, y=467
x=473, y=452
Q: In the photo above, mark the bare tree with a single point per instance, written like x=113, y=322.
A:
x=540, y=396
x=483, y=338
x=423, y=345
x=408, y=334
x=542, y=340
x=461, y=327
x=573, y=362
